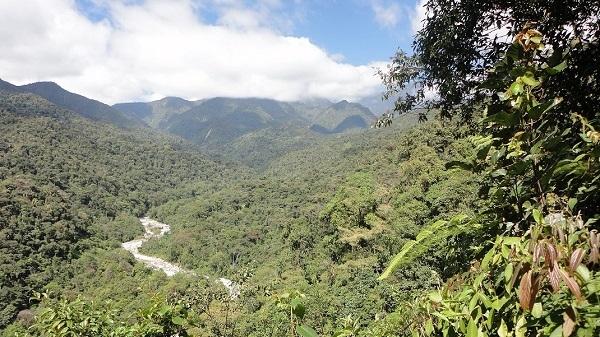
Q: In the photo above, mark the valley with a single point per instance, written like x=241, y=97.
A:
x=260, y=229
x=264, y=169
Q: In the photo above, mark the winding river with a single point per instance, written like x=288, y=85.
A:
x=155, y=229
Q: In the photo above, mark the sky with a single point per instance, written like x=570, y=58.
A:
x=141, y=50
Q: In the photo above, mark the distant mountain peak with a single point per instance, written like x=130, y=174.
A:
x=343, y=104
x=47, y=84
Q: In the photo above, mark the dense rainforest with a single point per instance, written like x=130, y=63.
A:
x=473, y=213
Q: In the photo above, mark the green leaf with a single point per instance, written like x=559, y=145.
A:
x=178, y=320
x=397, y=261
x=557, y=68
x=521, y=328
x=558, y=332
x=538, y=110
x=516, y=88
x=435, y=297
x=537, y=310
x=530, y=80
x=537, y=216
x=298, y=308
x=499, y=303
x=472, y=330
x=428, y=237
x=536, y=39
x=572, y=202
x=485, y=263
x=503, y=118
x=429, y=327
x=511, y=240
x=503, y=330
x=508, y=272
x=306, y=331
x=583, y=273
x=459, y=164
x=499, y=173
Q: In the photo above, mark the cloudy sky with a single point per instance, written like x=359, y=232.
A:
x=125, y=50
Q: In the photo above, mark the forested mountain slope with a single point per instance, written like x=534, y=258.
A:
x=68, y=183
x=156, y=112
x=337, y=117
x=323, y=219
x=84, y=106
x=220, y=120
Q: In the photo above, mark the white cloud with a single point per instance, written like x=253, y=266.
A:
x=419, y=15
x=161, y=47
x=386, y=16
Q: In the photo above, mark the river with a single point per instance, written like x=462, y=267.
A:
x=155, y=229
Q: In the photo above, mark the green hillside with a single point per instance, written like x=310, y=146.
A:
x=218, y=121
x=157, y=112
x=337, y=117
x=471, y=210
x=69, y=184
x=84, y=106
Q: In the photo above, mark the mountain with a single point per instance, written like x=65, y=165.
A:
x=153, y=113
x=336, y=118
x=8, y=86
x=222, y=120
x=69, y=184
x=82, y=105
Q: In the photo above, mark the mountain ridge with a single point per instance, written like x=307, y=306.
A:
x=77, y=103
x=194, y=120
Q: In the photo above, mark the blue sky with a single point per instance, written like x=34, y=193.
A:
x=140, y=50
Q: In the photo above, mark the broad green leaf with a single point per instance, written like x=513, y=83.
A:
x=472, y=330
x=178, y=320
x=435, y=297
x=572, y=202
x=485, y=263
x=508, y=272
x=511, y=240
x=429, y=327
x=306, y=331
x=537, y=216
x=538, y=110
x=583, y=273
x=537, y=310
x=521, y=328
x=516, y=88
x=530, y=80
x=459, y=164
x=557, y=68
x=473, y=302
x=503, y=330
x=503, y=118
x=298, y=308
x=499, y=173
x=558, y=332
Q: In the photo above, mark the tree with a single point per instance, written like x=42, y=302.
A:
x=460, y=40
x=542, y=166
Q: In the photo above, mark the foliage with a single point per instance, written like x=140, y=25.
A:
x=61, y=317
x=353, y=203
x=460, y=40
x=68, y=184
x=540, y=162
